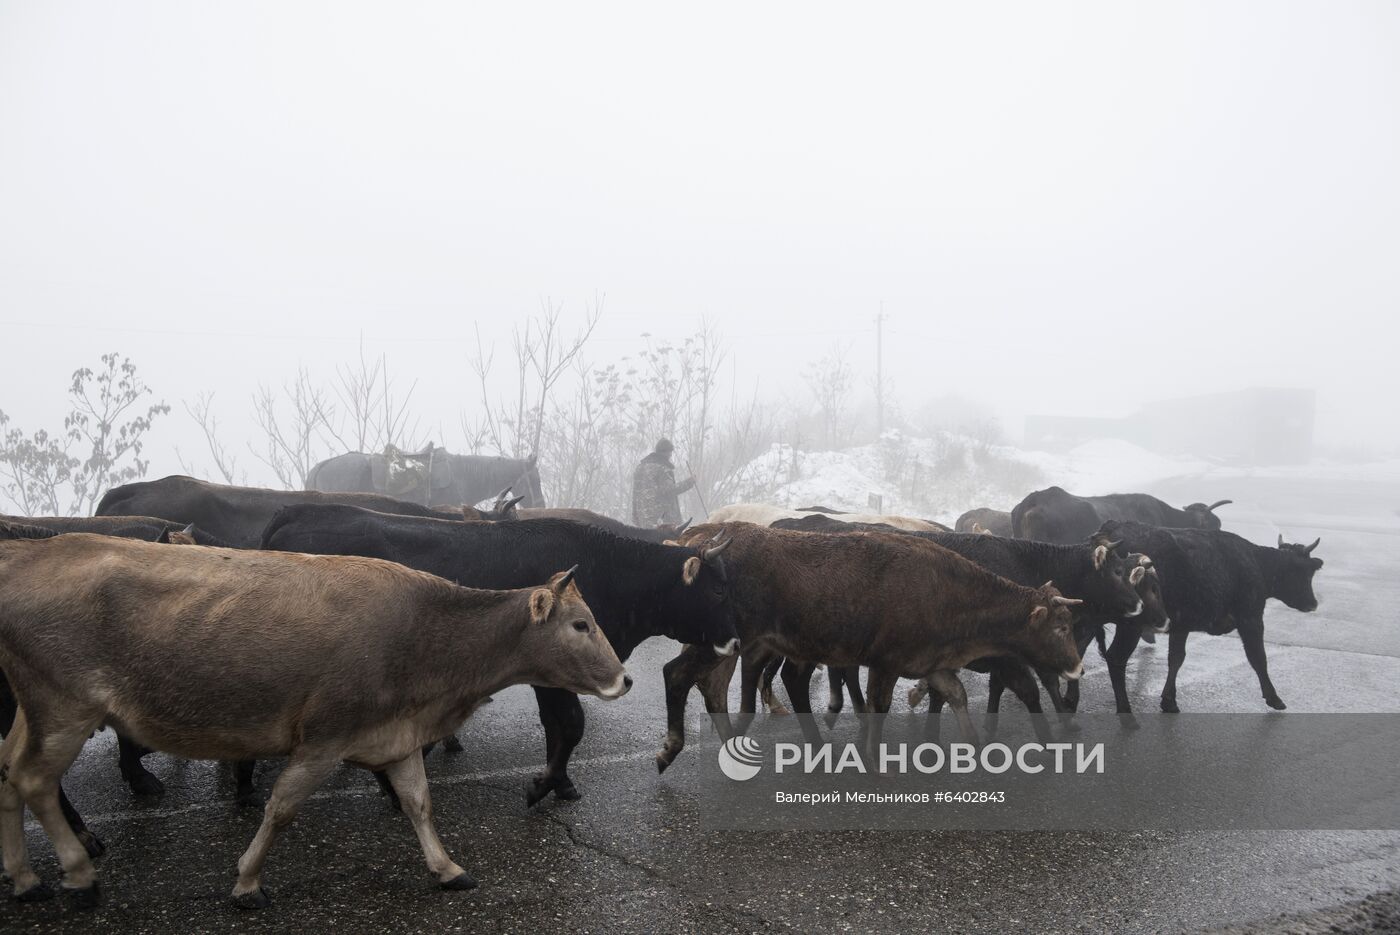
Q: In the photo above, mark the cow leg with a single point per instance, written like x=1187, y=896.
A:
x=137, y=777
x=1082, y=638
x=880, y=687
x=797, y=679
x=1252, y=635
x=247, y=795
x=1176, y=655
x=411, y=784
x=9, y=707
x=301, y=777
x=27, y=885
x=835, y=693
x=934, y=718
x=562, y=717
x=947, y=684
x=753, y=669
x=1051, y=682
x=32, y=762
x=681, y=674
x=1125, y=640
x=918, y=692
x=996, y=686
x=851, y=676
x=766, y=687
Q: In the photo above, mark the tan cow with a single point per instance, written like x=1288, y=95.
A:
x=222, y=654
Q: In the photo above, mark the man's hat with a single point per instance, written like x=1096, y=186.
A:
x=664, y=446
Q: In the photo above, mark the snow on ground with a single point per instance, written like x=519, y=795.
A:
x=942, y=476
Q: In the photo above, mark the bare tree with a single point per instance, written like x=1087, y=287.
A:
x=293, y=442
x=829, y=379
x=543, y=355
x=375, y=416
x=225, y=461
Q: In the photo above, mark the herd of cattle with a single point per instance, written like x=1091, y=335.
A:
x=235, y=623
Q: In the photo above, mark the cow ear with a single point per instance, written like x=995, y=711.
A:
x=690, y=570
x=1039, y=613
x=1137, y=574
x=1100, y=556
x=541, y=603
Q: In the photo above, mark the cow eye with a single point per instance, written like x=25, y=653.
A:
x=581, y=626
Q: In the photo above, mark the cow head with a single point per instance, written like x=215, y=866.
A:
x=699, y=608
x=1107, y=587
x=1142, y=575
x=565, y=646
x=1047, y=640
x=1293, y=575
x=170, y=536
x=1203, y=516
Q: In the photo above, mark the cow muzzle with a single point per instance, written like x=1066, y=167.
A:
x=1166, y=626
x=1074, y=675
x=727, y=648
x=1135, y=611
x=621, y=686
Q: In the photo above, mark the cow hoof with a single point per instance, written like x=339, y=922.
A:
x=86, y=899
x=450, y=744
x=535, y=791
x=38, y=893
x=567, y=791
x=259, y=898
x=249, y=798
x=462, y=881
x=778, y=709
x=1276, y=703
x=92, y=844
x=1170, y=707
x=146, y=785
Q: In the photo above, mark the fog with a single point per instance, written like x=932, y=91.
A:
x=1061, y=209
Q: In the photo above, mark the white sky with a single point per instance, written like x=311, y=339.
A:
x=1064, y=207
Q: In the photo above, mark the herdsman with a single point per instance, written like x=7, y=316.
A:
x=656, y=497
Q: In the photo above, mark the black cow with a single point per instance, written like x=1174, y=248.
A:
x=1055, y=515
x=1093, y=573
x=657, y=534
x=238, y=515
x=1214, y=582
x=636, y=589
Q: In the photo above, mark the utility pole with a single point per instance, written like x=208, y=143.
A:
x=880, y=371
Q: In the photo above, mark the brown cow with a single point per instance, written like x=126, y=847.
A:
x=903, y=606
x=231, y=655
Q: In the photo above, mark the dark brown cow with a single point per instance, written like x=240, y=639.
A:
x=232, y=655
x=905, y=607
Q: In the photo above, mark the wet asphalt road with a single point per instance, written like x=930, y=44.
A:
x=629, y=856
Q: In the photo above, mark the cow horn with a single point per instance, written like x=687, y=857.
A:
x=1315, y=544
x=1114, y=544
x=715, y=548
x=188, y=530
x=501, y=498
x=511, y=504
x=564, y=581
x=1217, y=503
x=1067, y=601
x=684, y=526
x=1049, y=584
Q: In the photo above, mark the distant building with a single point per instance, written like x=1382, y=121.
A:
x=1254, y=426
